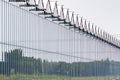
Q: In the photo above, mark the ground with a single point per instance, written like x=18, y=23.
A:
x=53, y=77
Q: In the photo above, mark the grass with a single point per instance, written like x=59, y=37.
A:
x=53, y=77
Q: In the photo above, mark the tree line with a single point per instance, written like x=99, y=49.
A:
x=15, y=63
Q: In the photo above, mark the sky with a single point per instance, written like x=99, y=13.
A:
x=103, y=13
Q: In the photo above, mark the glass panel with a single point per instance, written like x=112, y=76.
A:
x=34, y=48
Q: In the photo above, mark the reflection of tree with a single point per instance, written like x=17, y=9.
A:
x=16, y=63
x=13, y=59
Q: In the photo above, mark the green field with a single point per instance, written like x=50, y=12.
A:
x=53, y=77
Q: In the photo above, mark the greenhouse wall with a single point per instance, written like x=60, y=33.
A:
x=34, y=47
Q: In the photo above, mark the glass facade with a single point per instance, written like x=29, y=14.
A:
x=35, y=48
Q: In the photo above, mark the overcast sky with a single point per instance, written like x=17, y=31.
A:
x=104, y=13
